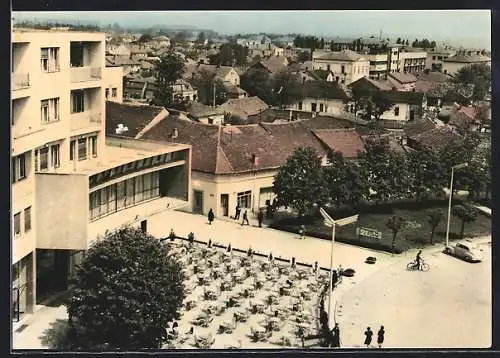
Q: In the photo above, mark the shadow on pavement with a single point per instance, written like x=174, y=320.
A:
x=56, y=337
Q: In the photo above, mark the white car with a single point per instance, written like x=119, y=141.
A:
x=465, y=251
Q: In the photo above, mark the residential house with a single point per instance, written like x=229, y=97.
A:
x=411, y=60
x=129, y=66
x=404, y=81
x=379, y=66
x=118, y=49
x=226, y=74
x=407, y=105
x=452, y=64
x=160, y=42
x=236, y=164
x=205, y=114
x=234, y=92
x=321, y=98
x=139, y=53
x=434, y=139
x=467, y=118
x=435, y=57
x=272, y=64
x=264, y=50
x=347, y=66
x=242, y=108
x=144, y=89
x=70, y=184
x=440, y=90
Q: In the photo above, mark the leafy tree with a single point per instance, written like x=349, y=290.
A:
x=300, y=182
x=415, y=43
x=385, y=169
x=181, y=36
x=204, y=81
x=377, y=105
x=168, y=70
x=395, y=224
x=407, y=42
x=427, y=175
x=287, y=88
x=465, y=213
x=434, y=217
x=477, y=74
x=125, y=292
x=258, y=82
x=145, y=38
x=303, y=56
x=230, y=54
x=345, y=180
x=398, y=41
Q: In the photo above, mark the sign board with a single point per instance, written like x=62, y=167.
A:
x=366, y=232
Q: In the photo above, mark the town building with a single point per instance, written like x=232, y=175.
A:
x=453, y=64
x=243, y=108
x=322, y=98
x=347, y=66
x=236, y=164
x=71, y=184
x=435, y=57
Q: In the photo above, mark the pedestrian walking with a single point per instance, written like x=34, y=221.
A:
x=245, y=218
x=260, y=217
x=211, y=216
x=334, y=278
x=336, y=335
x=380, y=338
x=302, y=232
x=368, y=339
x=237, y=212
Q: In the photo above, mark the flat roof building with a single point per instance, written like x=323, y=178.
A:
x=71, y=184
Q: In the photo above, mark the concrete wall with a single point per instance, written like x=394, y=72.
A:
x=62, y=219
x=113, y=78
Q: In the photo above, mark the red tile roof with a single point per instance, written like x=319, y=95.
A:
x=347, y=141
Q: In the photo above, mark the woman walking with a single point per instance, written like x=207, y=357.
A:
x=380, y=338
x=211, y=216
x=368, y=339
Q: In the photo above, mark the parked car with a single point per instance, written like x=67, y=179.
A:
x=465, y=251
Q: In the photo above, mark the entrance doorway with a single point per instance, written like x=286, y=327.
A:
x=224, y=203
x=52, y=268
x=412, y=115
x=198, y=201
x=144, y=226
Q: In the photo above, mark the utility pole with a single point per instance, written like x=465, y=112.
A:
x=214, y=95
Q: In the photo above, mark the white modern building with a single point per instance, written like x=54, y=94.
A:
x=69, y=183
x=346, y=66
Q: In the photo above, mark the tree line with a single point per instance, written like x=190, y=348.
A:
x=381, y=174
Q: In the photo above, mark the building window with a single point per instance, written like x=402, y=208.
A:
x=93, y=146
x=244, y=199
x=321, y=107
x=77, y=101
x=17, y=224
x=396, y=111
x=124, y=194
x=313, y=107
x=440, y=57
x=107, y=93
x=114, y=93
x=50, y=110
x=54, y=156
x=18, y=168
x=44, y=158
x=343, y=69
x=300, y=105
x=72, y=150
x=50, y=59
x=82, y=148
x=27, y=219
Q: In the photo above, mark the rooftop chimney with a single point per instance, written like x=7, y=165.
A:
x=175, y=133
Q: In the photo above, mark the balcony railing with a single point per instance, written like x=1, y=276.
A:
x=84, y=120
x=84, y=74
x=20, y=81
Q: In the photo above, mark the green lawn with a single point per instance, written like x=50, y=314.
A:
x=404, y=241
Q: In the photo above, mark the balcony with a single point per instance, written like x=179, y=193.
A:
x=20, y=81
x=84, y=74
x=84, y=120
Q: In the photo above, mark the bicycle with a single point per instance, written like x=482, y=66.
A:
x=412, y=266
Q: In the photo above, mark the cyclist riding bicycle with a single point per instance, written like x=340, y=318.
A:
x=418, y=260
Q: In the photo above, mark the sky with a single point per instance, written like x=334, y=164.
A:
x=466, y=26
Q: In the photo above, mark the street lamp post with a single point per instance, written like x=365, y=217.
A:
x=458, y=166
x=328, y=219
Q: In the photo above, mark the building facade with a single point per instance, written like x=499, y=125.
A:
x=346, y=66
x=70, y=184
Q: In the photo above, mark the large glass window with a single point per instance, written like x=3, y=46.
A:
x=77, y=101
x=27, y=219
x=17, y=224
x=124, y=194
x=50, y=59
x=82, y=148
x=44, y=158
